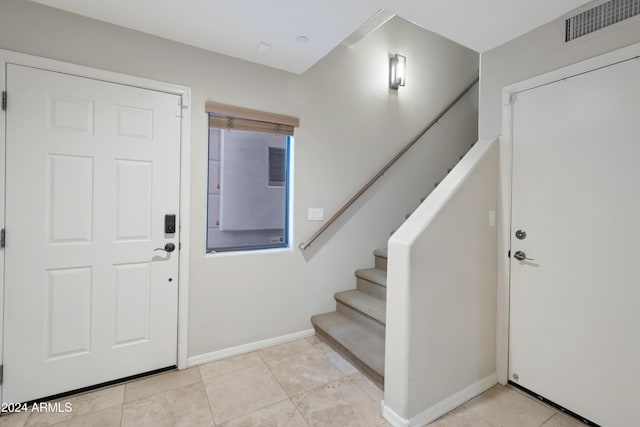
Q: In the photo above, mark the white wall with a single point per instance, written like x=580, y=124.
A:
x=351, y=124
x=537, y=52
x=441, y=306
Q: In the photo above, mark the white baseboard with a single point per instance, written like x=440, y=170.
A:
x=246, y=348
x=434, y=412
x=392, y=418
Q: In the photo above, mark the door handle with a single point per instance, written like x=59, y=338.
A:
x=169, y=247
x=521, y=256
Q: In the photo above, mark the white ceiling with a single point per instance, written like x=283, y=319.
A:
x=237, y=27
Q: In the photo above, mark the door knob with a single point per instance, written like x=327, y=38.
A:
x=169, y=247
x=521, y=256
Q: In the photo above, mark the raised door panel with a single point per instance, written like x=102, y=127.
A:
x=69, y=199
x=68, y=312
x=132, y=303
x=134, y=199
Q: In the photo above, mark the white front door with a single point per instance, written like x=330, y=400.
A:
x=574, y=333
x=92, y=170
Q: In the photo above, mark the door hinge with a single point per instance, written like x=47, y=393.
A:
x=181, y=107
x=1, y=373
x=4, y=100
x=2, y=238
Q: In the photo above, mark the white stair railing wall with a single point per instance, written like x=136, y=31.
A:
x=441, y=295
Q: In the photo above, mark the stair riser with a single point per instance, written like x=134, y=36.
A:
x=381, y=263
x=368, y=322
x=371, y=288
x=373, y=375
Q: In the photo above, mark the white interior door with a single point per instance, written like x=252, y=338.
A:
x=92, y=169
x=575, y=308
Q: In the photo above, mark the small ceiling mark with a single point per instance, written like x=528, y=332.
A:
x=263, y=47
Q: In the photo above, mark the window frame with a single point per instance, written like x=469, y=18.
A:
x=225, y=116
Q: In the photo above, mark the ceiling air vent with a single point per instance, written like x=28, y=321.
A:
x=599, y=17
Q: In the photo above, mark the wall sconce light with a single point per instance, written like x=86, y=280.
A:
x=397, y=71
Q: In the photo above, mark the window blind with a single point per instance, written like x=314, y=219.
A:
x=225, y=116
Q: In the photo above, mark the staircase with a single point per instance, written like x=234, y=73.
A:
x=356, y=329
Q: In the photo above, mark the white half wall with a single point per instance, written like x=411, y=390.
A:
x=441, y=295
x=351, y=124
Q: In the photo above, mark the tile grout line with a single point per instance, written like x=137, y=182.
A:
x=235, y=371
x=206, y=395
x=257, y=409
x=313, y=389
x=308, y=422
x=73, y=416
x=548, y=419
x=377, y=402
x=290, y=398
x=175, y=387
x=278, y=381
x=124, y=396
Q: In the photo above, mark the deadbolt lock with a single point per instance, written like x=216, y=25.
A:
x=521, y=235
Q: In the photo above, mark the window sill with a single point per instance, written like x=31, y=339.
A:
x=248, y=252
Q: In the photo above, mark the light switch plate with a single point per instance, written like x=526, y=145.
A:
x=316, y=214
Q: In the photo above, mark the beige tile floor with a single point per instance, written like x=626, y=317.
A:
x=299, y=384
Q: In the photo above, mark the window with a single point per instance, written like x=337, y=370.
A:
x=249, y=176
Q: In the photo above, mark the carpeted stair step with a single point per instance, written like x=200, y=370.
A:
x=372, y=281
x=381, y=258
x=356, y=343
x=369, y=311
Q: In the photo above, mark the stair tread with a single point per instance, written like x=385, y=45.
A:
x=374, y=275
x=364, y=303
x=382, y=253
x=363, y=344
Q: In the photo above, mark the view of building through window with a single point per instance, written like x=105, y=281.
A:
x=247, y=190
